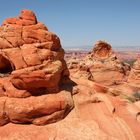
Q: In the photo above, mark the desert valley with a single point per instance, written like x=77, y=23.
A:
x=48, y=93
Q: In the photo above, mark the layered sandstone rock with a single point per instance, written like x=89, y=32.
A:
x=106, y=68
x=32, y=71
x=103, y=65
x=134, y=76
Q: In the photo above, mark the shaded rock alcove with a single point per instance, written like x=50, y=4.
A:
x=5, y=65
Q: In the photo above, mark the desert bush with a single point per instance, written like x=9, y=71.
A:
x=137, y=95
x=130, y=62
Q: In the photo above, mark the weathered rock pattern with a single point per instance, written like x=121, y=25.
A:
x=32, y=71
x=79, y=69
x=103, y=65
x=96, y=116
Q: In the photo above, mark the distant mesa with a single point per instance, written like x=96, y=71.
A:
x=32, y=71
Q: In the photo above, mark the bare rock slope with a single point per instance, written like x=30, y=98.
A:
x=96, y=116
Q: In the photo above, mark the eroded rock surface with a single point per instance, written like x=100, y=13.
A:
x=96, y=116
x=32, y=71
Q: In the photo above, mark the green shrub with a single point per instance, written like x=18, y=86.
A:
x=130, y=62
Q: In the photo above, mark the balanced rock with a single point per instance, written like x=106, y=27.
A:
x=32, y=71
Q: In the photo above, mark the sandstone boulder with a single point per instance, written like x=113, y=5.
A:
x=38, y=110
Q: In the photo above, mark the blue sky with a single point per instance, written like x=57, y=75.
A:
x=82, y=22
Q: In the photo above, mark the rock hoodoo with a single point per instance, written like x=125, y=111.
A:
x=102, y=64
x=106, y=67
x=32, y=71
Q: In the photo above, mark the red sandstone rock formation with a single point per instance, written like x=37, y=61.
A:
x=34, y=88
x=106, y=68
x=31, y=64
x=102, y=50
x=102, y=64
